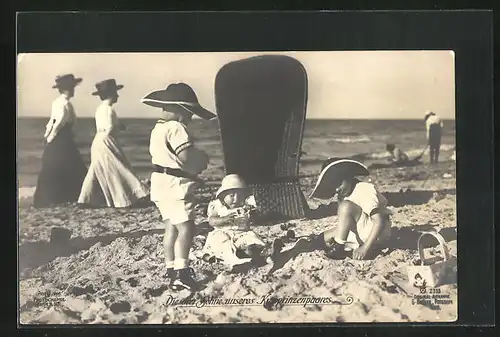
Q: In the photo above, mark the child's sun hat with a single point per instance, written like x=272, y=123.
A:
x=231, y=182
x=333, y=172
x=177, y=95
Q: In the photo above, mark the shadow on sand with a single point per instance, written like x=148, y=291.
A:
x=395, y=199
x=35, y=254
x=410, y=197
x=407, y=237
x=323, y=211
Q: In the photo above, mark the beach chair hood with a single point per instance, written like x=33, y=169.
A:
x=261, y=104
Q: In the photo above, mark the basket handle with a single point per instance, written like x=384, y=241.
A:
x=442, y=243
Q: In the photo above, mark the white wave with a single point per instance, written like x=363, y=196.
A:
x=346, y=140
x=412, y=153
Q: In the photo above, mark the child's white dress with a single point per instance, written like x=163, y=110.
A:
x=223, y=243
x=368, y=198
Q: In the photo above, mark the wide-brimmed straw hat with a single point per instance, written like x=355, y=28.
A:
x=107, y=86
x=67, y=81
x=231, y=182
x=177, y=95
x=333, y=172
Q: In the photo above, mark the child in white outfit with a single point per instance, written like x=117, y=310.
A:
x=177, y=163
x=364, y=219
x=232, y=239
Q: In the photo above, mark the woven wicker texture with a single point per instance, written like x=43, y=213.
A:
x=261, y=104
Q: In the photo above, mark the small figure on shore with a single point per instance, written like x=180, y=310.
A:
x=177, y=163
x=434, y=127
x=363, y=217
x=397, y=156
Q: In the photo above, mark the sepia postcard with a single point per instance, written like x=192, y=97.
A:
x=237, y=187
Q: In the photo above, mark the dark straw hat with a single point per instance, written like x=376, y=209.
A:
x=107, y=86
x=66, y=81
x=333, y=172
x=175, y=95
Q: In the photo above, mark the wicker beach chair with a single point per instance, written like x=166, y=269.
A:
x=261, y=104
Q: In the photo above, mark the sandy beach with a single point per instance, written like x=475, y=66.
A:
x=113, y=270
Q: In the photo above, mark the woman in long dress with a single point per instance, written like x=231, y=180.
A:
x=63, y=169
x=110, y=179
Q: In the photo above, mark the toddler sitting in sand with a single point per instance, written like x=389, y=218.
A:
x=230, y=214
x=364, y=219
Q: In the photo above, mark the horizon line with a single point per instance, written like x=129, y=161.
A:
x=313, y=118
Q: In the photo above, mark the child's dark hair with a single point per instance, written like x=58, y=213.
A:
x=390, y=147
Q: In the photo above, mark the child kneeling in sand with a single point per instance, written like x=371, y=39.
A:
x=397, y=156
x=177, y=163
x=232, y=239
x=364, y=219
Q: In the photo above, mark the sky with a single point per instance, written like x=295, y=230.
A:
x=342, y=84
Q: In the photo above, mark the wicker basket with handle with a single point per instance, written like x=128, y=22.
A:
x=433, y=274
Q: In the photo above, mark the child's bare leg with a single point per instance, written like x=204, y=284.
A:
x=169, y=239
x=348, y=216
x=183, y=275
x=184, y=241
x=334, y=239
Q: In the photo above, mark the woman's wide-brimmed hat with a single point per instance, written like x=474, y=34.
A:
x=107, y=86
x=177, y=95
x=66, y=81
x=231, y=182
x=333, y=172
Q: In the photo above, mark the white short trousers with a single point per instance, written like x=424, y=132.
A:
x=174, y=197
x=364, y=227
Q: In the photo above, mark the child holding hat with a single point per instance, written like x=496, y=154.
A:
x=177, y=163
x=364, y=219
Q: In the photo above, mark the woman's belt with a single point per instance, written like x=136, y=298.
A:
x=176, y=173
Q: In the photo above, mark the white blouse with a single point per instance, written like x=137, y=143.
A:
x=62, y=113
x=105, y=118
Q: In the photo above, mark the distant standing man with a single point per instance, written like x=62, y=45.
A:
x=434, y=126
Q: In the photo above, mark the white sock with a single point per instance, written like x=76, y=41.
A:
x=170, y=264
x=339, y=241
x=181, y=264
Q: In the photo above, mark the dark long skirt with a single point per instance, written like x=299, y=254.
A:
x=62, y=173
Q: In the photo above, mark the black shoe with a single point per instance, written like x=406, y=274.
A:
x=336, y=251
x=184, y=280
x=171, y=275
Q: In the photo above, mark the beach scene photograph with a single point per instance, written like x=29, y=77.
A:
x=236, y=187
